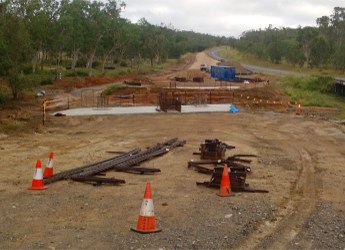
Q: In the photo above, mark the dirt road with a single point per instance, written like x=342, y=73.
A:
x=203, y=58
x=300, y=161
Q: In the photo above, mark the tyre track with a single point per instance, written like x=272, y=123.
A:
x=287, y=223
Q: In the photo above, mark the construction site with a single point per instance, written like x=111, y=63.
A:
x=268, y=175
x=187, y=84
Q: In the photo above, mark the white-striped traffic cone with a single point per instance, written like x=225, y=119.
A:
x=48, y=171
x=147, y=222
x=37, y=182
x=299, y=108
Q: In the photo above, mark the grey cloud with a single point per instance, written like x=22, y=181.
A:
x=228, y=17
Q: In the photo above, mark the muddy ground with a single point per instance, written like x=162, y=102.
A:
x=300, y=162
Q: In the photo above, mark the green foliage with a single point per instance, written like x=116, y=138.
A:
x=9, y=125
x=26, y=68
x=322, y=47
x=96, y=64
x=112, y=89
x=123, y=64
x=81, y=62
x=5, y=63
x=46, y=81
x=78, y=32
x=311, y=91
x=338, y=58
x=320, y=51
x=3, y=96
x=341, y=115
x=322, y=84
x=89, y=34
x=15, y=44
x=20, y=82
x=77, y=72
x=34, y=80
x=293, y=53
x=40, y=79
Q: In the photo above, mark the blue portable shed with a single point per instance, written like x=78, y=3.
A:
x=225, y=73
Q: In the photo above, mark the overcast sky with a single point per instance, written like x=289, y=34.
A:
x=228, y=17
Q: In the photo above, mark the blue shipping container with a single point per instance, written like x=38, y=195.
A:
x=223, y=73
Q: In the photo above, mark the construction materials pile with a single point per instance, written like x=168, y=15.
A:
x=168, y=101
x=126, y=162
x=212, y=153
x=213, y=149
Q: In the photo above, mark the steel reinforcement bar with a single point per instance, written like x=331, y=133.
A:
x=68, y=173
x=126, y=160
x=133, y=160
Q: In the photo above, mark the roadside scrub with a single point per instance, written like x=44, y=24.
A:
x=312, y=91
x=113, y=88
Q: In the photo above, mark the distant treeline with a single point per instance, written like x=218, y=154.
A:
x=81, y=33
x=322, y=46
x=72, y=33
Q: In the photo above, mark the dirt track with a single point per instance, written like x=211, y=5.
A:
x=300, y=161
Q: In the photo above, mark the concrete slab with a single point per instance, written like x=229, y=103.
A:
x=208, y=87
x=143, y=110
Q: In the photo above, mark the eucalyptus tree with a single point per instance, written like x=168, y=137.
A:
x=323, y=24
x=253, y=42
x=337, y=21
x=292, y=52
x=40, y=19
x=332, y=29
x=305, y=38
x=73, y=22
x=177, y=45
x=96, y=27
x=161, y=37
x=17, y=54
x=16, y=41
x=46, y=33
x=273, y=38
x=135, y=50
x=114, y=40
x=101, y=20
x=152, y=39
x=338, y=25
x=4, y=55
x=320, y=51
x=123, y=37
x=339, y=58
x=37, y=16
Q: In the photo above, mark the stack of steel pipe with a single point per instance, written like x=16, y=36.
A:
x=135, y=159
x=107, y=162
x=126, y=160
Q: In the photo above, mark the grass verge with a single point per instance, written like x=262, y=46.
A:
x=113, y=88
x=316, y=91
x=234, y=55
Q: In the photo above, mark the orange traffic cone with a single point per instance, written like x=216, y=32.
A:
x=146, y=222
x=299, y=108
x=37, y=182
x=225, y=186
x=48, y=171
